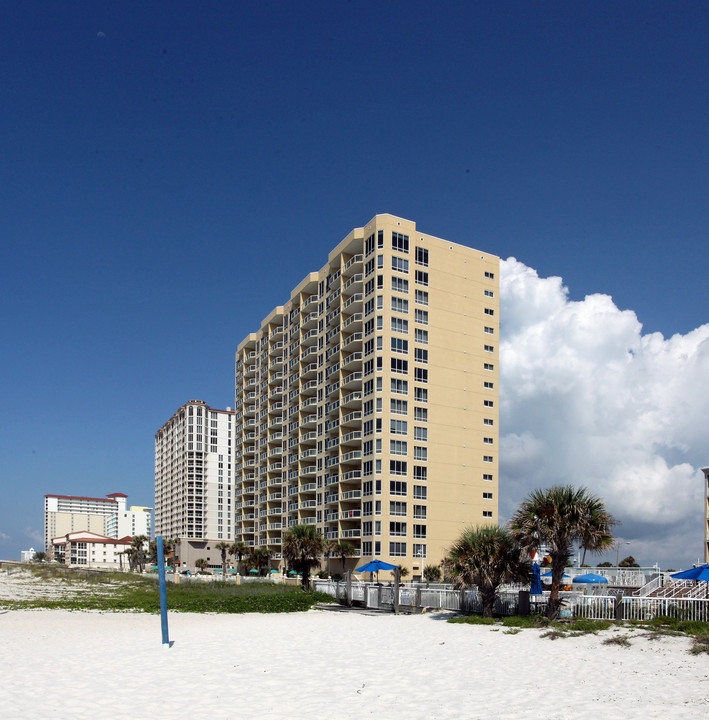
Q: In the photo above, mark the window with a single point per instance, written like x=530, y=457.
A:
x=397, y=549
x=420, y=512
x=422, y=297
x=420, y=472
x=398, y=447
x=420, y=492
x=399, y=366
x=380, y=322
x=488, y=441
x=400, y=387
x=489, y=385
x=487, y=496
x=489, y=348
x=488, y=421
x=380, y=238
x=399, y=304
x=419, y=531
x=487, y=477
x=421, y=277
x=487, y=513
x=399, y=407
x=420, y=394
x=399, y=345
x=422, y=256
x=489, y=330
x=489, y=293
x=421, y=414
x=397, y=467
x=380, y=262
x=489, y=311
x=419, y=550
x=420, y=374
x=400, y=325
x=421, y=317
x=399, y=264
x=420, y=355
x=400, y=242
x=420, y=453
x=399, y=284
x=490, y=275
x=397, y=487
x=398, y=427
x=397, y=528
x=380, y=282
x=489, y=366
x=488, y=403
x=369, y=245
x=380, y=302
x=420, y=433
x=487, y=458
x=421, y=336
x=397, y=507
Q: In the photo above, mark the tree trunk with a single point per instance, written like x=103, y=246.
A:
x=487, y=595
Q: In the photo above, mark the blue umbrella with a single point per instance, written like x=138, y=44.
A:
x=548, y=574
x=536, y=588
x=590, y=578
x=376, y=566
x=701, y=572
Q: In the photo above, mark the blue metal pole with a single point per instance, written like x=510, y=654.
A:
x=163, y=592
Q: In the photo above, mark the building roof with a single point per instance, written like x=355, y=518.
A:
x=80, y=497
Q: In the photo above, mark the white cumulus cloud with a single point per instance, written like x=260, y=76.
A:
x=587, y=399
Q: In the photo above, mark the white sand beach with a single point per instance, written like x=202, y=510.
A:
x=324, y=664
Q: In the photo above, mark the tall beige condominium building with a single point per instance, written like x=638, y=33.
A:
x=367, y=404
x=193, y=479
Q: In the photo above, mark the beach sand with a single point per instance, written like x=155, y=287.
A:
x=323, y=664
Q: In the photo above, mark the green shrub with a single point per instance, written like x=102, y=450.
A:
x=472, y=620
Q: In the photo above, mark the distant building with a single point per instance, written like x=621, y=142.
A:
x=105, y=516
x=194, y=492
x=91, y=550
x=705, y=470
x=27, y=555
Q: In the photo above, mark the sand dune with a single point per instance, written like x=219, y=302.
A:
x=324, y=664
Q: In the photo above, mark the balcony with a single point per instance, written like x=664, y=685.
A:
x=351, y=438
x=351, y=514
x=353, y=262
x=308, y=487
x=352, y=533
x=353, y=301
x=352, y=495
x=352, y=360
x=352, y=418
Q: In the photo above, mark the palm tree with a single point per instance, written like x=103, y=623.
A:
x=559, y=517
x=223, y=547
x=432, y=573
x=138, y=555
x=301, y=546
x=238, y=549
x=201, y=564
x=260, y=557
x=329, y=549
x=343, y=550
x=486, y=556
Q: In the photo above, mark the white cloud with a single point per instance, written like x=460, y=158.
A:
x=586, y=398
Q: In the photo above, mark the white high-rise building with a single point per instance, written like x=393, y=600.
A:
x=194, y=488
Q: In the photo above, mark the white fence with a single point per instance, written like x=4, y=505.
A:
x=592, y=607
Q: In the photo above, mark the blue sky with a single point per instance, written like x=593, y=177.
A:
x=169, y=171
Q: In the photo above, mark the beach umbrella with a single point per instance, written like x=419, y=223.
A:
x=274, y=572
x=536, y=588
x=374, y=566
x=548, y=574
x=590, y=578
x=253, y=571
x=701, y=572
